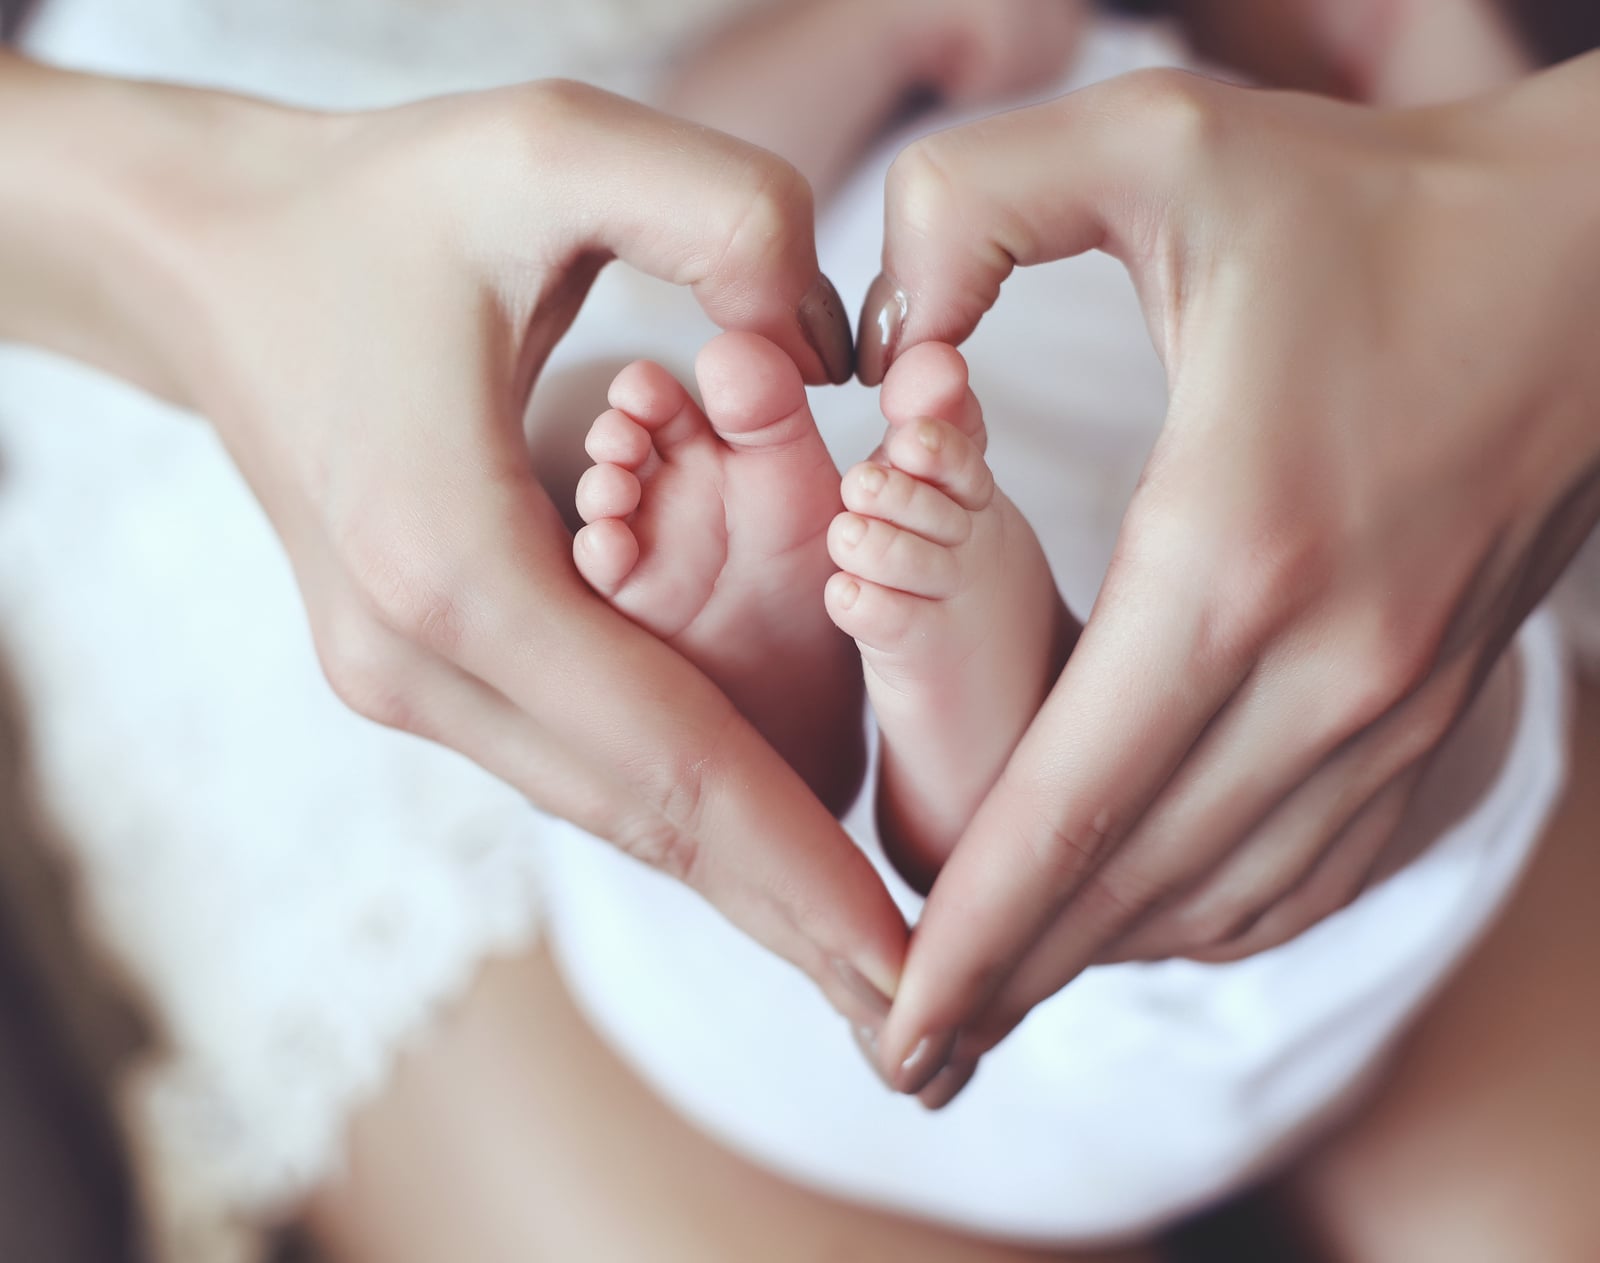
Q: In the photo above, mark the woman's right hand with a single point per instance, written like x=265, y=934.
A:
x=361, y=306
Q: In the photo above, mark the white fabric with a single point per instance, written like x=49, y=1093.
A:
x=297, y=890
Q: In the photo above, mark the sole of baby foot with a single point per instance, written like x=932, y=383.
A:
x=707, y=527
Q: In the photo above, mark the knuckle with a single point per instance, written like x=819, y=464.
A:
x=919, y=187
x=1062, y=848
x=1393, y=666
x=771, y=207
x=661, y=845
x=666, y=836
x=358, y=665
x=563, y=97
x=412, y=593
x=1179, y=111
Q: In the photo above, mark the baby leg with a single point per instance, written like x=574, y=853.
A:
x=945, y=589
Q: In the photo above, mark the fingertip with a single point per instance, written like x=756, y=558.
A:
x=825, y=326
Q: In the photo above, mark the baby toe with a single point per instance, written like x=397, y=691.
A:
x=893, y=558
x=605, y=553
x=607, y=491
x=875, y=617
x=894, y=496
x=615, y=438
x=652, y=397
x=938, y=453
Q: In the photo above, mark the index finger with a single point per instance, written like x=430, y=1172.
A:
x=964, y=207
x=1140, y=688
x=696, y=207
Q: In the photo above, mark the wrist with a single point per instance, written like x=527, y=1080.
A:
x=105, y=190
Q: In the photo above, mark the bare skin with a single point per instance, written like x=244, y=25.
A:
x=516, y=1136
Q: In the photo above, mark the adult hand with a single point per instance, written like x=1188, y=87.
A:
x=361, y=305
x=1382, y=444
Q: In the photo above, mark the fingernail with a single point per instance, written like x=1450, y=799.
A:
x=853, y=531
x=827, y=329
x=868, y=996
x=948, y=1084
x=867, y=1041
x=882, y=316
x=930, y=1056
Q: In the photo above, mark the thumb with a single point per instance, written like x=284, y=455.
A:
x=1096, y=169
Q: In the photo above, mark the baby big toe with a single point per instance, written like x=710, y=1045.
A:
x=930, y=380
x=754, y=395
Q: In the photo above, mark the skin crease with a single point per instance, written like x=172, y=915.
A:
x=436, y=572
x=1300, y=525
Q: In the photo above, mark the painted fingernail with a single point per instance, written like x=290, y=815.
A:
x=827, y=329
x=882, y=317
x=872, y=480
x=853, y=530
x=931, y=1055
x=871, y=999
x=948, y=1084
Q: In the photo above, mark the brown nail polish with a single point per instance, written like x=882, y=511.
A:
x=871, y=1000
x=931, y=1055
x=827, y=329
x=948, y=1084
x=882, y=317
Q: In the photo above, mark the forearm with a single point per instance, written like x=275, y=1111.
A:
x=103, y=184
x=811, y=81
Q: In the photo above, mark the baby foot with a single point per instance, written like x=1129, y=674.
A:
x=708, y=529
x=945, y=589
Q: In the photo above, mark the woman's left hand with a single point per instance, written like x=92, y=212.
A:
x=1382, y=447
